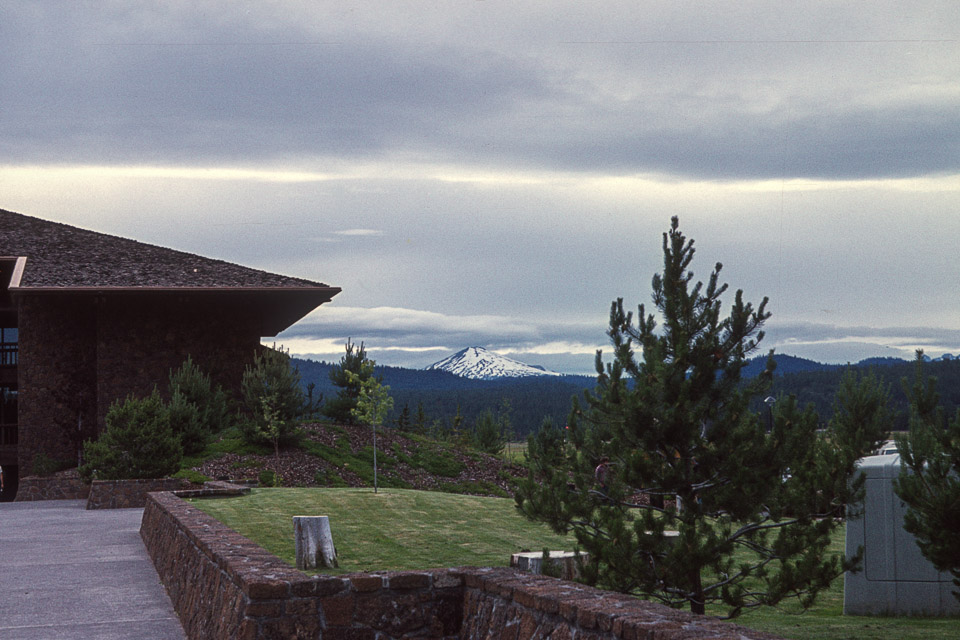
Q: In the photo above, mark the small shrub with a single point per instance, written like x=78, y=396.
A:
x=138, y=442
x=329, y=478
x=44, y=465
x=268, y=478
x=437, y=462
x=192, y=476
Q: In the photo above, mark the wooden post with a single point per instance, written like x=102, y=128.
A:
x=314, y=542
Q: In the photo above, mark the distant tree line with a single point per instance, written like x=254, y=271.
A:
x=819, y=387
x=450, y=403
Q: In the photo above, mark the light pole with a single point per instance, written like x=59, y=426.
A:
x=769, y=401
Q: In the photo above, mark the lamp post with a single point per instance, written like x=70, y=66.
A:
x=769, y=401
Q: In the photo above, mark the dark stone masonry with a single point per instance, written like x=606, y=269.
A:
x=223, y=586
x=88, y=319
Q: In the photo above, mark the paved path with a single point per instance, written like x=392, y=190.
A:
x=69, y=573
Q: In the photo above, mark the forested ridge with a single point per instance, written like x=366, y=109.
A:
x=443, y=395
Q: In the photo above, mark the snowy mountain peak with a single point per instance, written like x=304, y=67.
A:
x=479, y=364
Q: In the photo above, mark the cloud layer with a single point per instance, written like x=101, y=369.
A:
x=480, y=173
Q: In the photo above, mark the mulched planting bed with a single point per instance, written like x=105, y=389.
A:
x=397, y=456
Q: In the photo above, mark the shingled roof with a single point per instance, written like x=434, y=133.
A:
x=65, y=257
x=62, y=258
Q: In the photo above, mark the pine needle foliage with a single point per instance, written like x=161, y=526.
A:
x=199, y=409
x=702, y=505
x=929, y=481
x=348, y=376
x=273, y=399
x=138, y=442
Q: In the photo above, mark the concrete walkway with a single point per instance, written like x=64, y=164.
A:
x=69, y=573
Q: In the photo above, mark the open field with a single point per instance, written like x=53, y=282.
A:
x=404, y=529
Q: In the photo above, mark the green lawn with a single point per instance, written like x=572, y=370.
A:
x=826, y=620
x=394, y=529
x=398, y=529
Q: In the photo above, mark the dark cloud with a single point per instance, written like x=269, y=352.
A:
x=156, y=87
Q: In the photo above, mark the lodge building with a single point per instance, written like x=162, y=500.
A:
x=87, y=318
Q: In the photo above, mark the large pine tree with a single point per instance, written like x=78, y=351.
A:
x=929, y=481
x=705, y=501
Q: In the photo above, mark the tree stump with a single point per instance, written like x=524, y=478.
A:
x=314, y=542
x=562, y=564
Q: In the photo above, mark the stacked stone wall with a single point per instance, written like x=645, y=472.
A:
x=129, y=494
x=140, y=339
x=56, y=375
x=506, y=603
x=34, y=488
x=78, y=354
x=222, y=585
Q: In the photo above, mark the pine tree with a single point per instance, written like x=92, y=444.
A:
x=273, y=399
x=488, y=433
x=671, y=413
x=929, y=481
x=189, y=386
x=136, y=443
x=420, y=424
x=403, y=420
x=348, y=376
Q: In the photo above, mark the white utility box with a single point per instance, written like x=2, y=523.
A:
x=895, y=578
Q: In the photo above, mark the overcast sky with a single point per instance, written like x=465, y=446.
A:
x=488, y=173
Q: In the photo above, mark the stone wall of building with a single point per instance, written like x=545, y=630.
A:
x=222, y=585
x=56, y=378
x=141, y=339
x=79, y=354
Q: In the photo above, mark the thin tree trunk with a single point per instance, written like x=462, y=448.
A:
x=697, y=602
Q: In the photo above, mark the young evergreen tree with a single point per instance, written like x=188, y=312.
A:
x=420, y=423
x=349, y=376
x=190, y=386
x=488, y=433
x=185, y=422
x=670, y=412
x=929, y=481
x=273, y=399
x=403, y=420
x=137, y=442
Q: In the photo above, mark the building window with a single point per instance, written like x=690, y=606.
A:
x=8, y=346
x=8, y=416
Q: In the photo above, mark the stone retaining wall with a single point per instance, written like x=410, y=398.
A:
x=51, y=488
x=506, y=603
x=127, y=494
x=222, y=585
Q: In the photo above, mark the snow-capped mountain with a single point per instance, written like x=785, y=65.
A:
x=479, y=364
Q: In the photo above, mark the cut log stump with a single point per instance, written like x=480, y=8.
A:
x=314, y=542
x=562, y=564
